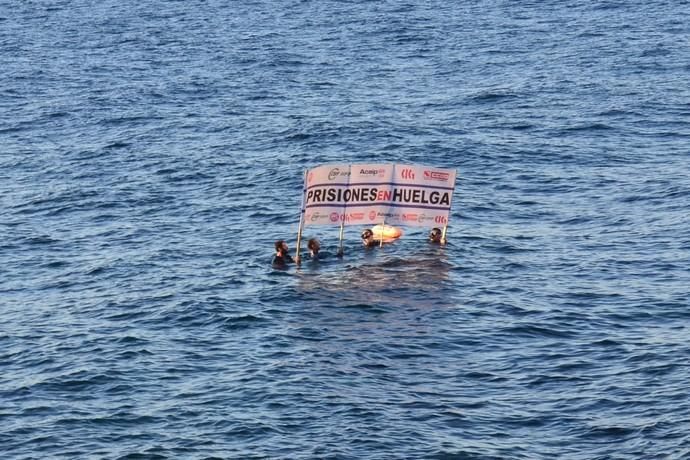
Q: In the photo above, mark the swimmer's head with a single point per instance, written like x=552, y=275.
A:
x=366, y=234
x=314, y=245
x=435, y=234
x=281, y=246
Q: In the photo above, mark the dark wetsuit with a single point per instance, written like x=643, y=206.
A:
x=373, y=243
x=321, y=255
x=283, y=259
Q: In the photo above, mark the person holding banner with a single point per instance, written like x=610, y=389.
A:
x=368, y=239
x=436, y=236
x=282, y=257
x=314, y=246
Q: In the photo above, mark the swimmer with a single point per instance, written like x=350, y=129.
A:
x=436, y=236
x=368, y=238
x=282, y=257
x=314, y=246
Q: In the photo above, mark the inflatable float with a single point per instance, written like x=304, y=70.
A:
x=386, y=232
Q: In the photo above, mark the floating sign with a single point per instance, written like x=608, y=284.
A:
x=368, y=194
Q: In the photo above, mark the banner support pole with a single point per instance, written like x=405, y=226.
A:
x=342, y=228
x=301, y=217
x=445, y=227
x=342, y=223
x=383, y=225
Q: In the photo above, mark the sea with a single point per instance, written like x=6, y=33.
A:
x=152, y=152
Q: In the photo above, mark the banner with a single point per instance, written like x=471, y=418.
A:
x=369, y=194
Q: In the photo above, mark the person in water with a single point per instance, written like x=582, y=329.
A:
x=282, y=257
x=368, y=238
x=436, y=236
x=314, y=246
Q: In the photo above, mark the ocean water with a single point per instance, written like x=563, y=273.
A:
x=152, y=151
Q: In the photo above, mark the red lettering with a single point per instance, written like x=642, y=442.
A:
x=384, y=195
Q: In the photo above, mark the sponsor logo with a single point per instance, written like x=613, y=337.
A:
x=372, y=172
x=407, y=173
x=436, y=175
x=317, y=216
x=424, y=218
x=372, y=215
x=441, y=220
x=336, y=172
x=336, y=217
x=409, y=217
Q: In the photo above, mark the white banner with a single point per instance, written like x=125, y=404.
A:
x=369, y=194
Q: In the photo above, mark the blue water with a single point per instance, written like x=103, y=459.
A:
x=152, y=151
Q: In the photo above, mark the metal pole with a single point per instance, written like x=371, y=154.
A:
x=342, y=223
x=301, y=216
x=342, y=228
x=445, y=227
x=383, y=227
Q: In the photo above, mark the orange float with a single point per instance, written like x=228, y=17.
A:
x=386, y=232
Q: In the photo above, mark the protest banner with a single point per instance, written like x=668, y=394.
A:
x=368, y=194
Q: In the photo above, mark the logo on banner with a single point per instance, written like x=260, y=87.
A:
x=336, y=172
x=356, y=216
x=409, y=217
x=423, y=218
x=372, y=215
x=389, y=215
x=407, y=173
x=335, y=217
x=436, y=175
x=440, y=220
x=372, y=172
x=317, y=216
